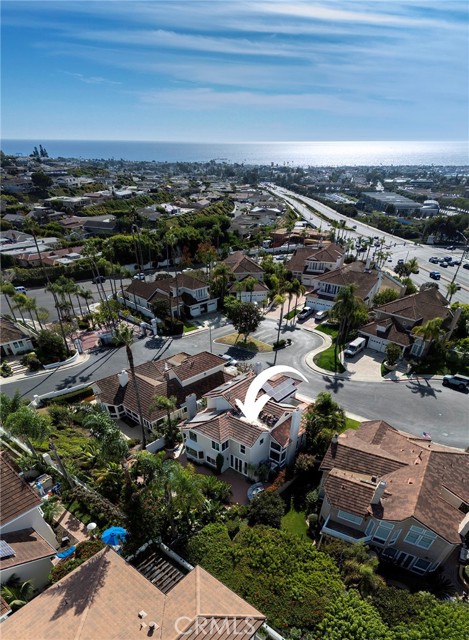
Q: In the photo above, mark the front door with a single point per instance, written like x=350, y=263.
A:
x=405, y=560
x=237, y=465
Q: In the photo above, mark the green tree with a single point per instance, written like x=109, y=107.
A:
x=172, y=434
x=351, y=618
x=266, y=508
x=9, y=292
x=113, y=447
x=9, y=405
x=350, y=311
x=26, y=424
x=431, y=330
x=245, y=316
x=452, y=288
x=393, y=353
x=17, y=593
x=41, y=180
x=324, y=418
x=383, y=297
x=124, y=337
x=50, y=347
x=220, y=278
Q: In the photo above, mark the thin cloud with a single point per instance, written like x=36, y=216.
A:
x=92, y=79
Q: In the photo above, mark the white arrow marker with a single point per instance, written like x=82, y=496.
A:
x=252, y=407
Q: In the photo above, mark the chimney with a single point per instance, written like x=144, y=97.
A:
x=257, y=368
x=294, y=429
x=368, y=262
x=191, y=404
x=378, y=494
x=123, y=377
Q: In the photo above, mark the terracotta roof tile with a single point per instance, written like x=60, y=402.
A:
x=227, y=426
x=103, y=597
x=240, y=263
x=349, y=491
x=28, y=545
x=392, y=331
x=17, y=495
x=353, y=273
x=419, y=307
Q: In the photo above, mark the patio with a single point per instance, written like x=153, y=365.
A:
x=239, y=484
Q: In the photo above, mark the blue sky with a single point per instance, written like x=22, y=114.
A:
x=223, y=70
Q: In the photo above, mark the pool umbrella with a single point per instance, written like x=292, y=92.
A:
x=114, y=536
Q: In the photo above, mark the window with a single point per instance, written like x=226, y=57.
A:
x=382, y=532
x=191, y=452
x=421, y=566
x=394, y=536
x=242, y=448
x=420, y=537
x=274, y=456
x=344, y=515
x=201, y=455
x=192, y=436
x=225, y=445
x=211, y=461
x=369, y=528
x=261, y=441
x=215, y=445
x=275, y=446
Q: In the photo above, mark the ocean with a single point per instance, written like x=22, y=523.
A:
x=256, y=153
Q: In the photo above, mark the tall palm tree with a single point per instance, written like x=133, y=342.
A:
x=42, y=315
x=8, y=291
x=249, y=284
x=452, y=288
x=431, y=331
x=30, y=305
x=299, y=290
x=20, y=300
x=86, y=295
x=221, y=275
x=279, y=299
x=346, y=309
x=124, y=337
x=169, y=405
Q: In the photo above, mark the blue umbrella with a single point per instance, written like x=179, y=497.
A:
x=114, y=536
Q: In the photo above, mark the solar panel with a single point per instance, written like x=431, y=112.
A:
x=5, y=550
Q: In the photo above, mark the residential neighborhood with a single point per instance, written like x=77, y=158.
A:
x=197, y=371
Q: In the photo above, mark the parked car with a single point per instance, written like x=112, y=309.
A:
x=305, y=313
x=230, y=362
x=355, y=347
x=20, y=289
x=98, y=279
x=458, y=381
x=321, y=315
x=139, y=276
x=435, y=275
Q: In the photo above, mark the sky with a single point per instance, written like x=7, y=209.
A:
x=235, y=70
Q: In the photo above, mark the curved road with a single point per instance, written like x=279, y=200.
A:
x=407, y=405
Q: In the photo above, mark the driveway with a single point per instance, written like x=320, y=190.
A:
x=365, y=366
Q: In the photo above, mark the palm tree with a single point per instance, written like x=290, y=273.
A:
x=452, y=288
x=430, y=331
x=86, y=295
x=279, y=299
x=30, y=305
x=26, y=423
x=171, y=433
x=42, y=315
x=20, y=300
x=56, y=290
x=299, y=290
x=346, y=309
x=17, y=593
x=249, y=284
x=221, y=275
x=124, y=337
x=9, y=291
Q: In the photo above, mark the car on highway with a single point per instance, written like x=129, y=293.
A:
x=458, y=381
x=434, y=260
x=400, y=261
x=451, y=248
x=435, y=275
x=444, y=264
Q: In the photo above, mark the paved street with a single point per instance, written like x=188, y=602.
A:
x=410, y=405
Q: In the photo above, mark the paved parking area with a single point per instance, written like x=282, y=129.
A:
x=367, y=366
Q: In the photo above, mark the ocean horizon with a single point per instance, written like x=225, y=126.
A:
x=301, y=154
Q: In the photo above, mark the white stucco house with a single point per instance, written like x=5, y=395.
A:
x=13, y=338
x=308, y=262
x=273, y=438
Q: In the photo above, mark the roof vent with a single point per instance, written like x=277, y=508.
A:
x=142, y=614
x=152, y=625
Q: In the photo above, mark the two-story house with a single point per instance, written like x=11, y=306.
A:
x=248, y=291
x=394, y=321
x=27, y=543
x=184, y=294
x=243, y=266
x=183, y=376
x=327, y=286
x=308, y=262
x=405, y=496
x=274, y=438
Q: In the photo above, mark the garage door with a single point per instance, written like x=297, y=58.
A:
x=376, y=344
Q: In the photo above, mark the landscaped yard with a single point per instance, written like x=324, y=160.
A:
x=252, y=344
x=326, y=359
x=295, y=522
x=188, y=327
x=291, y=314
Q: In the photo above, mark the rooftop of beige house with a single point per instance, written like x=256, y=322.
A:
x=17, y=495
x=424, y=480
x=240, y=263
x=103, y=597
x=418, y=307
x=327, y=253
x=27, y=546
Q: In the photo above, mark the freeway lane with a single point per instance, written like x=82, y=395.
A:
x=406, y=405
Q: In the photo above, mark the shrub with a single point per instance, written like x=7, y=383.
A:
x=266, y=508
x=279, y=344
x=5, y=370
x=311, y=501
x=69, y=397
x=88, y=548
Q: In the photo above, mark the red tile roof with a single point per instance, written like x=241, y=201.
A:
x=227, y=426
x=28, y=546
x=349, y=491
x=102, y=598
x=17, y=495
x=418, y=307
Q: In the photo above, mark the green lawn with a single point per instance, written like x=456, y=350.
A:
x=326, y=359
x=188, y=327
x=252, y=344
x=295, y=522
x=291, y=314
x=351, y=424
x=329, y=329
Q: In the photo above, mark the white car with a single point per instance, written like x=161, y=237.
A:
x=230, y=362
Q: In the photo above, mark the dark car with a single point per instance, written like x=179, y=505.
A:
x=434, y=260
x=435, y=275
x=444, y=264
x=458, y=381
x=99, y=279
x=465, y=265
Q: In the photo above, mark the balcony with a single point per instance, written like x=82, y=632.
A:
x=343, y=532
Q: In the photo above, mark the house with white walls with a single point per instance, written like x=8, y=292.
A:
x=247, y=290
x=14, y=338
x=273, y=438
x=307, y=263
x=182, y=376
x=184, y=294
x=27, y=543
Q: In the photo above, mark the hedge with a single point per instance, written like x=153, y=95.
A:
x=73, y=395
